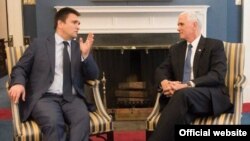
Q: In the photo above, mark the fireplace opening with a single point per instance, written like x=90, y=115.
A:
x=129, y=62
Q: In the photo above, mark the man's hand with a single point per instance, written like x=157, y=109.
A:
x=15, y=92
x=169, y=87
x=85, y=47
x=179, y=86
x=166, y=87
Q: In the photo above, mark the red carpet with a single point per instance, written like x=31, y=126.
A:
x=125, y=136
x=5, y=114
x=246, y=108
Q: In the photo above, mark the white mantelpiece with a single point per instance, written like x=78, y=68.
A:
x=134, y=19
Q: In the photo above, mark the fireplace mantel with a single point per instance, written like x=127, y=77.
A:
x=134, y=19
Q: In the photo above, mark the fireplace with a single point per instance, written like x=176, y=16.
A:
x=130, y=42
x=129, y=61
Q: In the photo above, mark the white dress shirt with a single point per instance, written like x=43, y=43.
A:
x=195, y=45
x=57, y=85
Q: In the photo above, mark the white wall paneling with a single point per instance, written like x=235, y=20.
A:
x=135, y=19
x=246, y=41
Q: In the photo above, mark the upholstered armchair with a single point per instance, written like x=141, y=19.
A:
x=100, y=121
x=234, y=80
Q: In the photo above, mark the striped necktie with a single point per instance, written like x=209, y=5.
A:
x=67, y=81
x=187, y=65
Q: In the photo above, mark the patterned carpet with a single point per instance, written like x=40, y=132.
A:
x=6, y=125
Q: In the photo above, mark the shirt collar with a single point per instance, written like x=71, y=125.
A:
x=196, y=41
x=59, y=40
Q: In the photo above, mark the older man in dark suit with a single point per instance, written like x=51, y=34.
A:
x=191, y=78
x=50, y=76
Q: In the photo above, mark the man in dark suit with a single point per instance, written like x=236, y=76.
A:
x=39, y=80
x=191, y=80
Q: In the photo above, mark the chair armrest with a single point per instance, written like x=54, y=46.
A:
x=90, y=82
x=156, y=108
x=15, y=116
x=16, y=119
x=238, y=97
x=240, y=81
x=98, y=100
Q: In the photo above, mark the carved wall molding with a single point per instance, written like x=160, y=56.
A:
x=135, y=19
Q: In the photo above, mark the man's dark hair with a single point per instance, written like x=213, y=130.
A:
x=63, y=13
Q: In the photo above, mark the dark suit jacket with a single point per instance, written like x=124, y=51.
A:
x=36, y=68
x=209, y=69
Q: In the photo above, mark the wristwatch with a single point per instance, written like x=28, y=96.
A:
x=189, y=84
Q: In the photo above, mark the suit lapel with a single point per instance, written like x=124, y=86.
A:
x=51, y=53
x=182, y=51
x=198, y=52
x=74, y=57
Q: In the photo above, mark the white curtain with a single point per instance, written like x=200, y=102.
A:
x=246, y=41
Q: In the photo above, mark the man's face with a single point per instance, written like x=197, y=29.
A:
x=69, y=29
x=186, y=27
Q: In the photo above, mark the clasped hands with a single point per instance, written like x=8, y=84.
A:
x=169, y=87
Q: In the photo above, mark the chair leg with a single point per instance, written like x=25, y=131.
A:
x=99, y=136
x=110, y=136
x=148, y=134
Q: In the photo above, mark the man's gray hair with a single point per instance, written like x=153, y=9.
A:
x=192, y=16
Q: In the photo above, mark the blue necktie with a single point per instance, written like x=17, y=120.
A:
x=187, y=65
x=67, y=81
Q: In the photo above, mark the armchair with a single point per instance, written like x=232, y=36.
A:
x=100, y=121
x=234, y=80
